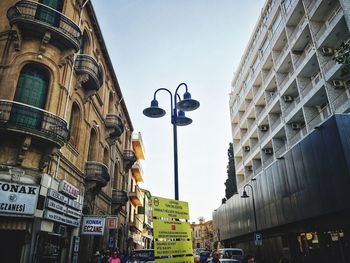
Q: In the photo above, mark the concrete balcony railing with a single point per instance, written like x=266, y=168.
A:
x=86, y=65
x=329, y=23
x=136, y=223
x=35, y=19
x=96, y=172
x=22, y=118
x=137, y=172
x=115, y=125
x=119, y=197
x=135, y=196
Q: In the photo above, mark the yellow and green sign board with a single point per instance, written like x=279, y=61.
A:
x=169, y=208
x=171, y=229
x=172, y=236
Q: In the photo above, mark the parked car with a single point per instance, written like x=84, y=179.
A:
x=232, y=253
x=144, y=255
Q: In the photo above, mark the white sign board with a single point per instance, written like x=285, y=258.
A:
x=93, y=226
x=18, y=198
x=68, y=189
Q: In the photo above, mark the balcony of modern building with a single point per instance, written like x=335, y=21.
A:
x=331, y=69
x=302, y=49
x=238, y=161
x=338, y=95
x=280, y=50
x=257, y=164
x=295, y=128
x=260, y=107
x=243, y=131
x=137, y=145
x=310, y=79
x=290, y=99
x=24, y=120
x=263, y=129
x=240, y=178
x=114, y=125
x=291, y=7
x=129, y=158
x=285, y=73
x=136, y=223
x=248, y=171
x=36, y=20
x=97, y=173
x=250, y=123
x=253, y=148
x=245, y=150
x=279, y=143
x=331, y=23
x=257, y=88
x=271, y=93
x=137, y=172
x=316, y=110
x=275, y=117
x=277, y=29
x=237, y=146
x=267, y=153
x=135, y=196
x=234, y=128
x=89, y=71
x=267, y=71
x=299, y=30
x=248, y=106
x=316, y=8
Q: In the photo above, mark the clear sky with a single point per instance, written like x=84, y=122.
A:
x=160, y=44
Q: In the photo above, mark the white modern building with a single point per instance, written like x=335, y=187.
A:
x=290, y=129
x=287, y=82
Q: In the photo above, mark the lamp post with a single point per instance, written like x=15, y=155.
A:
x=245, y=195
x=178, y=118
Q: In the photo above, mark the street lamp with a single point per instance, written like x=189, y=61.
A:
x=245, y=195
x=178, y=118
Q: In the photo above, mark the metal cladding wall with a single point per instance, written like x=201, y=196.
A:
x=312, y=179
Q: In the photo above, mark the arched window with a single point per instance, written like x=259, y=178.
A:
x=93, y=154
x=74, y=123
x=32, y=88
x=106, y=157
x=48, y=15
x=110, y=103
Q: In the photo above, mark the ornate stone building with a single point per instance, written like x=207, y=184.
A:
x=65, y=133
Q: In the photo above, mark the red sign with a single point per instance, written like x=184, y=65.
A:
x=111, y=222
x=68, y=189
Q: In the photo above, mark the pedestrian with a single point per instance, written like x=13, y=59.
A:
x=96, y=257
x=132, y=259
x=114, y=258
x=216, y=257
x=248, y=259
x=105, y=256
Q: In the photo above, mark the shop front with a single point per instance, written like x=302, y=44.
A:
x=17, y=208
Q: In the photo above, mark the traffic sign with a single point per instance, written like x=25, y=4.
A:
x=171, y=229
x=258, y=239
x=169, y=208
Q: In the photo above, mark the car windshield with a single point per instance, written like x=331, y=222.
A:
x=231, y=253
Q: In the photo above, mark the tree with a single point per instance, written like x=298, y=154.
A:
x=230, y=184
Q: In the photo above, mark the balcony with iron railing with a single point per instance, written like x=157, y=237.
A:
x=291, y=106
x=114, y=125
x=129, y=158
x=86, y=65
x=96, y=172
x=135, y=196
x=35, y=19
x=313, y=83
x=300, y=59
x=21, y=118
x=119, y=197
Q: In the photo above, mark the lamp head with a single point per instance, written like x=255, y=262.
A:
x=154, y=111
x=182, y=120
x=188, y=104
x=244, y=195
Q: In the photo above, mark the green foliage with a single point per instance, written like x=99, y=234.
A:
x=230, y=184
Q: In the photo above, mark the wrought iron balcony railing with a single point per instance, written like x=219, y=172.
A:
x=23, y=118
x=119, y=197
x=129, y=158
x=96, y=172
x=114, y=123
x=35, y=19
x=86, y=64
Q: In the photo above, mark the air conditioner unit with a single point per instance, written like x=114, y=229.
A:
x=268, y=150
x=264, y=127
x=295, y=126
x=246, y=148
x=338, y=84
x=249, y=168
x=288, y=98
x=327, y=51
